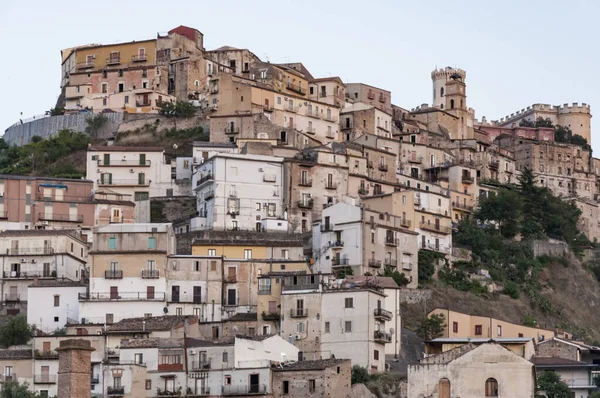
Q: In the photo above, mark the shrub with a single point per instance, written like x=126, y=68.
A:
x=360, y=375
x=511, y=289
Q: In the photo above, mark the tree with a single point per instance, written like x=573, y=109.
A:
x=504, y=209
x=12, y=389
x=431, y=327
x=400, y=279
x=177, y=109
x=16, y=331
x=360, y=375
x=95, y=124
x=541, y=122
x=550, y=384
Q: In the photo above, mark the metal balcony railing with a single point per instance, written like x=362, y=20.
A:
x=125, y=163
x=405, y=223
x=85, y=65
x=381, y=313
x=198, y=365
x=122, y=296
x=139, y=58
x=113, y=60
x=388, y=262
x=150, y=273
x=259, y=389
x=44, y=379
x=299, y=312
x=124, y=182
x=113, y=274
x=296, y=88
x=435, y=228
x=232, y=130
x=336, y=243
x=271, y=316
x=382, y=337
x=374, y=263
x=305, y=204
x=12, y=297
x=60, y=217
x=337, y=262
x=305, y=182
x=391, y=242
x=383, y=167
x=331, y=185
x=115, y=390
x=312, y=113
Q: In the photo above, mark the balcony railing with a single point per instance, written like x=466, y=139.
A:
x=405, y=223
x=369, y=164
x=11, y=377
x=415, y=159
x=30, y=274
x=337, y=262
x=124, y=183
x=205, y=178
x=290, y=108
x=388, y=262
x=383, y=167
x=230, y=279
x=494, y=165
x=125, y=163
x=44, y=379
x=271, y=316
x=139, y=58
x=122, y=296
x=329, y=118
x=305, y=204
x=214, y=89
x=296, y=88
x=374, y=263
x=232, y=130
x=48, y=354
x=113, y=274
x=208, y=195
x=331, y=185
x=233, y=211
x=269, y=178
x=336, y=244
x=382, y=337
x=60, y=217
x=363, y=191
x=305, y=182
x=150, y=273
x=30, y=251
x=462, y=206
x=95, y=379
x=406, y=265
x=391, y=242
x=299, y=312
x=65, y=198
x=113, y=60
x=113, y=391
x=467, y=179
x=311, y=130
x=267, y=108
x=198, y=365
x=12, y=297
x=264, y=290
x=435, y=228
x=142, y=103
x=85, y=65
x=312, y=113
x=380, y=313
x=431, y=246
x=259, y=389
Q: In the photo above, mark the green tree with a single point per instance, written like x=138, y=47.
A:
x=431, y=327
x=95, y=124
x=12, y=389
x=360, y=375
x=400, y=279
x=16, y=332
x=526, y=123
x=541, y=122
x=504, y=209
x=511, y=289
x=177, y=109
x=551, y=386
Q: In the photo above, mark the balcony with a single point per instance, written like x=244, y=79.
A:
x=388, y=262
x=462, y=206
x=48, y=354
x=435, y=228
x=29, y=251
x=331, y=185
x=347, y=126
x=296, y=88
x=86, y=65
x=336, y=244
x=244, y=390
x=115, y=391
x=65, y=198
x=122, y=296
x=11, y=377
x=271, y=316
x=203, y=364
x=381, y=314
x=383, y=167
x=200, y=392
x=150, y=273
x=267, y=108
x=406, y=265
x=95, y=379
x=232, y=130
x=233, y=211
x=405, y=223
x=305, y=182
x=139, y=58
x=44, y=379
x=415, y=159
x=306, y=204
x=113, y=274
x=30, y=274
x=391, y=242
x=494, y=165
x=329, y=118
x=311, y=130
x=204, y=179
x=312, y=113
x=214, y=89
x=143, y=103
x=467, y=179
x=363, y=191
x=374, y=263
x=339, y=262
x=230, y=279
x=327, y=227
x=60, y=217
x=12, y=297
x=290, y=108
x=264, y=290
x=208, y=195
x=382, y=337
x=124, y=183
x=113, y=60
x=125, y=163
x=369, y=164
x=431, y=246
x=299, y=312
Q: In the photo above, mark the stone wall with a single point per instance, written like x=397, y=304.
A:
x=414, y=296
x=138, y=122
x=549, y=248
x=554, y=348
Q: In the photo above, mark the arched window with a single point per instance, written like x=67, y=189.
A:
x=442, y=92
x=444, y=388
x=451, y=104
x=491, y=388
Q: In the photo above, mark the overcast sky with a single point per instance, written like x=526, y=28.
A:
x=516, y=53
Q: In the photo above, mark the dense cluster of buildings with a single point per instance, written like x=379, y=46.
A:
x=308, y=190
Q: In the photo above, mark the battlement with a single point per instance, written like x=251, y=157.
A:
x=556, y=109
x=445, y=73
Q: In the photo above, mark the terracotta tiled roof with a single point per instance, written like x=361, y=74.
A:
x=16, y=354
x=154, y=323
x=310, y=365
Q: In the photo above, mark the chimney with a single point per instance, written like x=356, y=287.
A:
x=74, y=368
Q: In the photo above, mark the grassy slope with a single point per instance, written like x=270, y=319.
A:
x=573, y=291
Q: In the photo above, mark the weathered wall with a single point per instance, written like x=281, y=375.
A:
x=162, y=123
x=20, y=134
x=171, y=209
x=554, y=348
x=550, y=248
x=412, y=296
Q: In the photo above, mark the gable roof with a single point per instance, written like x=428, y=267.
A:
x=459, y=352
x=556, y=362
x=321, y=364
x=150, y=324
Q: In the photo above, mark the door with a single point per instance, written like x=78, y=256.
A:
x=423, y=242
x=141, y=178
x=231, y=297
x=253, y=384
x=145, y=100
x=283, y=137
x=142, y=159
x=175, y=294
x=197, y=294
x=299, y=307
x=46, y=346
x=444, y=388
x=437, y=223
x=13, y=295
x=291, y=122
x=46, y=270
x=114, y=292
x=272, y=307
x=150, y=292
x=14, y=247
x=231, y=274
x=45, y=374
x=106, y=159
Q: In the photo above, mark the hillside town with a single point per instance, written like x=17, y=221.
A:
x=244, y=228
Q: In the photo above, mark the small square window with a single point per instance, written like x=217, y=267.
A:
x=148, y=384
x=55, y=319
x=327, y=326
x=348, y=327
x=349, y=302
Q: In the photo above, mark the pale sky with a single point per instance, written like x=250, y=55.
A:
x=516, y=53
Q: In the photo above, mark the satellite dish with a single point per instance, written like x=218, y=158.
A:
x=166, y=310
x=391, y=330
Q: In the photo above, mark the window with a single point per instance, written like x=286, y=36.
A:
x=225, y=357
x=56, y=319
x=300, y=327
x=491, y=388
x=56, y=300
x=499, y=330
x=213, y=265
x=327, y=327
x=285, y=388
x=285, y=253
x=151, y=243
x=213, y=253
x=311, y=386
x=258, y=207
x=179, y=311
x=247, y=254
x=104, y=101
x=112, y=243
x=348, y=327
x=227, y=380
x=148, y=384
x=138, y=358
x=349, y=302
x=478, y=330
x=455, y=327
x=104, y=88
x=376, y=355
x=126, y=99
x=196, y=265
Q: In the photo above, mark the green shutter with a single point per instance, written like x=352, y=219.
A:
x=106, y=159
x=142, y=159
x=141, y=178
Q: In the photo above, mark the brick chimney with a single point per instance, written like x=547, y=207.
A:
x=74, y=368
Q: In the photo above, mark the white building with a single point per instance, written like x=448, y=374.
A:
x=54, y=303
x=579, y=376
x=238, y=192
x=203, y=150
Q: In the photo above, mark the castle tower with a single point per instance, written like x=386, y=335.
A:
x=440, y=78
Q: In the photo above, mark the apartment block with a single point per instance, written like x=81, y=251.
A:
x=360, y=92
x=57, y=303
x=360, y=118
x=127, y=272
x=325, y=378
x=330, y=90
